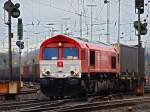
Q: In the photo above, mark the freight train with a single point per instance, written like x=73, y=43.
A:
x=29, y=73
x=76, y=67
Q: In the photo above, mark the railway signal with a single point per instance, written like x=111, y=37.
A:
x=20, y=29
x=12, y=9
x=143, y=27
x=139, y=4
x=20, y=44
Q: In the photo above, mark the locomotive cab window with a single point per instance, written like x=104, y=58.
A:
x=70, y=53
x=92, y=58
x=50, y=53
x=113, y=62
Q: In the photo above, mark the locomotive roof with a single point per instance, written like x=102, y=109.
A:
x=83, y=40
x=84, y=43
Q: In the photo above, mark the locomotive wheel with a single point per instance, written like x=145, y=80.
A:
x=96, y=87
x=56, y=97
x=61, y=97
x=83, y=93
x=51, y=97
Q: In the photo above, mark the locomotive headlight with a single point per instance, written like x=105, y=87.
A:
x=48, y=73
x=75, y=71
x=45, y=71
x=72, y=72
x=43, y=74
x=77, y=74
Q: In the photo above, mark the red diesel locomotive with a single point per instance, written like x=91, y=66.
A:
x=74, y=66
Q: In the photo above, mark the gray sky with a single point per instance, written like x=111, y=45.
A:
x=63, y=14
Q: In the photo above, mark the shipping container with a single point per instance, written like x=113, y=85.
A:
x=37, y=72
x=25, y=73
x=16, y=73
x=129, y=60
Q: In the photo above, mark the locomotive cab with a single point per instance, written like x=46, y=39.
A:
x=60, y=61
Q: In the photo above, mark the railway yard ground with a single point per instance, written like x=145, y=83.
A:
x=145, y=107
x=140, y=107
x=35, y=101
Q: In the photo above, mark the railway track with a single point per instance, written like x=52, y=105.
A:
x=5, y=97
x=84, y=107
x=20, y=104
x=95, y=102
x=50, y=105
x=32, y=105
x=101, y=105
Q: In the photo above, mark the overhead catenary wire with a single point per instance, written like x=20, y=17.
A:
x=43, y=20
x=64, y=10
x=73, y=8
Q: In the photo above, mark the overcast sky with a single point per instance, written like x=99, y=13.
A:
x=64, y=14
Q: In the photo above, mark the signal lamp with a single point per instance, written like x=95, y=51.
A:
x=20, y=44
x=59, y=44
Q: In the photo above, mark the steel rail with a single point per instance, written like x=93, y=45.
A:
x=102, y=105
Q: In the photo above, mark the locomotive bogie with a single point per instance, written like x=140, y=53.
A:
x=60, y=86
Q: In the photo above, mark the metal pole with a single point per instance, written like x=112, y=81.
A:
x=80, y=25
x=118, y=23
x=52, y=31
x=91, y=18
x=65, y=25
x=27, y=48
x=139, y=44
x=9, y=50
x=91, y=23
x=20, y=64
x=87, y=33
x=62, y=29
x=130, y=31
x=149, y=34
x=108, y=14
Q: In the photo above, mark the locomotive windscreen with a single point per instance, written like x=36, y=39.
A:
x=50, y=53
x=70, y=53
